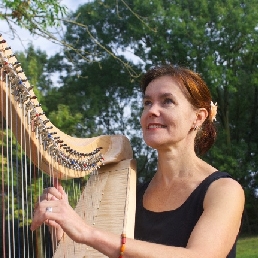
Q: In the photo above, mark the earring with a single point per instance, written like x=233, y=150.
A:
x=196, y=128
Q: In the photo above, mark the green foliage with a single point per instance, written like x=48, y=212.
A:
x=216, y=38
x=207, y=36
x=34, y=63
x=97, y=95
x=63, y=118
x=34, y=15
x=98, y=92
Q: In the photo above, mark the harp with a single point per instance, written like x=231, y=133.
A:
x=108, y=199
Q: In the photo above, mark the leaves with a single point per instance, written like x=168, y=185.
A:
x=98, y=85
x=33, y=15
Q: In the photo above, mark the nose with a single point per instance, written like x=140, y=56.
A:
x=154, y=110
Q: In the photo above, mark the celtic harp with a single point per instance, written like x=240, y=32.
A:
x=108, y=199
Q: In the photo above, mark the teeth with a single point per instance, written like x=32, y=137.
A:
x=155, y=126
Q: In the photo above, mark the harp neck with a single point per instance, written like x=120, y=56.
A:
x=53, y=151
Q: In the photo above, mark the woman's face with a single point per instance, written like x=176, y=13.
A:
x=167, y=117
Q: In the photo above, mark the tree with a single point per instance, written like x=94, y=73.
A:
x=210, y=37
x=36, y=16
x=100, y=91
x=45, y=19
x=34, y=63
x=216, y=38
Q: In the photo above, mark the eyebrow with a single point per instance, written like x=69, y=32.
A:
x=163, y=95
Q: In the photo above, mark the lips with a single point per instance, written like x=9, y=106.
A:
x=155, y=126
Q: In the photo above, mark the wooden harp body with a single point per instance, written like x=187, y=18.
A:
x=108, y=200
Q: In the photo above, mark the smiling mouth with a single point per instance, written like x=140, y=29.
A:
x=156, y=126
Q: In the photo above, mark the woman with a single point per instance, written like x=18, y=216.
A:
x=189, y=209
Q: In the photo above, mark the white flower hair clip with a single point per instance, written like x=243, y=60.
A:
x=214, y=108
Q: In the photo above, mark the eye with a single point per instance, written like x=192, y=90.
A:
x=146, y=102
x=168, y=101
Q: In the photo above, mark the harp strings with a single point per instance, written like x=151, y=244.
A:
x=20, y=177
x=25, y=183
x=23, y=180
x=17, y=181
x=3, y=171
x=10, y=191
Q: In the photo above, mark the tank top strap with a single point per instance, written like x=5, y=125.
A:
x=211, y=178
x=199, y=193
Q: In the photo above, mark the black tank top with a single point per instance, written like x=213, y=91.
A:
x=174, y=227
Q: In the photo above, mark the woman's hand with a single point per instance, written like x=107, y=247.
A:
x=50, y=194
x=54, y=210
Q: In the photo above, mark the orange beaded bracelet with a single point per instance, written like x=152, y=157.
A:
x=122, y=248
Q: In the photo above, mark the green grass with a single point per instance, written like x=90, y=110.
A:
x=247, y=247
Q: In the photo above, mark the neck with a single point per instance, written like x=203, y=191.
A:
x=175, y=164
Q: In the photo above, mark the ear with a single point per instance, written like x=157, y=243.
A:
x=201, y=116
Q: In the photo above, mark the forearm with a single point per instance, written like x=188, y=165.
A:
x=110, y=244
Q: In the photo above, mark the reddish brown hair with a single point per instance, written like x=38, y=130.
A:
x=196, y=92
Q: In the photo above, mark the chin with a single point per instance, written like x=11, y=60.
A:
x=154, y=143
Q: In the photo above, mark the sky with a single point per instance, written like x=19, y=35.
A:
x=37, y=41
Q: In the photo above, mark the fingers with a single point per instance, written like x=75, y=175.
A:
x=61, y=190
x=51, y=193
x=52, y=223
x=45, y=212
x=38, y=219
x=48, y=206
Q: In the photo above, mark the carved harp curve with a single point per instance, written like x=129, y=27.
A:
x=56, y=145
x=64, y=157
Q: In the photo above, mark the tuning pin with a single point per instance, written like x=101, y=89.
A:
x=45, y=121
x=39, y=114
x=30, y=88
x=16, y=64
x=67, y=149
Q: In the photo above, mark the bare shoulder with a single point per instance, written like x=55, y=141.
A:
x=225, y=191
x=216, y=231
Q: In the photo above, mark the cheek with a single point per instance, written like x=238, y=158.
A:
x=142, y=119
x=141, y=122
